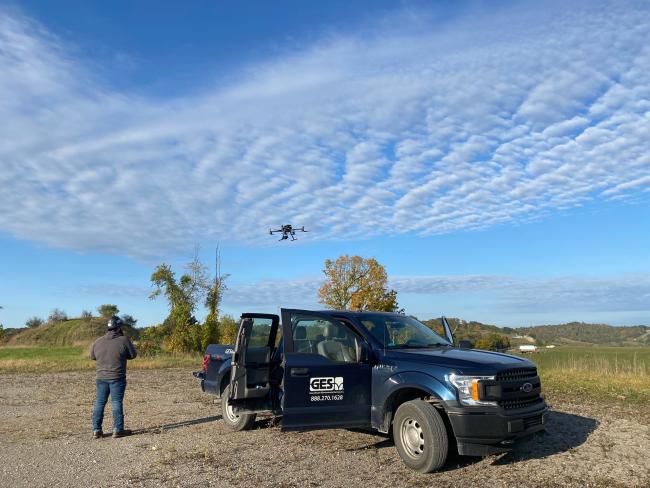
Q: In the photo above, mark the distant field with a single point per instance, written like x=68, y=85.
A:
x=617, y=373
x=73, y=358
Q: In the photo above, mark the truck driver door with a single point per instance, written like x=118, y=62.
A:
x=326, y=373
x=252, y=362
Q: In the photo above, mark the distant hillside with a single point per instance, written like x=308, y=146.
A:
x=574, y=333
x=464, y=329
x=580, y=332
x=75, y=332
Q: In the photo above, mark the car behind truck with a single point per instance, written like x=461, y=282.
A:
x=378, y=371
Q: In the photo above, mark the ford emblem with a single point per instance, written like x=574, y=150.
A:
x=526, y=387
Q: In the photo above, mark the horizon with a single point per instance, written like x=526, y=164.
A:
x=494, y=158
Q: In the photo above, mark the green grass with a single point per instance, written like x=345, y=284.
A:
x=620, y=374
x=74, y=358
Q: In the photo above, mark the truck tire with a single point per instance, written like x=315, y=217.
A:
x=420, y=436
x=233, y=421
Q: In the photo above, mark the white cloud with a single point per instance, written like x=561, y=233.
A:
x=602, y=298
x=496, y=118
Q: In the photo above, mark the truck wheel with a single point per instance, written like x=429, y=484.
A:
x=235, y=422
x=420, y=436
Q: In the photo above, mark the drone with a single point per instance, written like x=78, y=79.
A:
x=287, y=231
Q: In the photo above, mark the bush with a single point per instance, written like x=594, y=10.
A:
x=129, y=320
x=34, y=322
x=493, y=342
x=108, y=310
x=57, y=316
x=227, y=329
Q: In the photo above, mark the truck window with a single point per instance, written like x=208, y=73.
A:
x=401, y=331
x=260, y=332
x=332, y=340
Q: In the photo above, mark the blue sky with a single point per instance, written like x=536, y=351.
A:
x=494, y=156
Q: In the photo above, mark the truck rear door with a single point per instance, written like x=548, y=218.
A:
x=252, y=362
x=326, y=378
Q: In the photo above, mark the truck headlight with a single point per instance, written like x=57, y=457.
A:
x=468, y=389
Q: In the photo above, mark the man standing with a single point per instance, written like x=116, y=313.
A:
x=111, y=352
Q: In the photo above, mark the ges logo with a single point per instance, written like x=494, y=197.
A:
x=326, y=385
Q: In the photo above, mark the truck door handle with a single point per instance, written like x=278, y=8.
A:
x=299, y=371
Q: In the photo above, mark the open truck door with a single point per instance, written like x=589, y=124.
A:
x=252, y=363
x=327, y=374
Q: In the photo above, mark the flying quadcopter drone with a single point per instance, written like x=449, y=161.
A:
x=287, y=231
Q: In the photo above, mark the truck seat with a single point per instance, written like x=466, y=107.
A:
x=300, y=341
x=332, y=347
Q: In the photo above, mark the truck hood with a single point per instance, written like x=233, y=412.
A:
x=465, y=361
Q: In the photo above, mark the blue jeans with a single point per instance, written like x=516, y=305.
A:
x=114, y=388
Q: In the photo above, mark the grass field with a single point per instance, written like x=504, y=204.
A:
x=74, y=358
x=620, y=374
x=615, y=373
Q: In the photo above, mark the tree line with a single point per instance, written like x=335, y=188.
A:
x=351, y=283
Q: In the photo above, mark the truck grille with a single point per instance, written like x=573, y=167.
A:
x=517, y=374
x=520, y=403
x=515, y=389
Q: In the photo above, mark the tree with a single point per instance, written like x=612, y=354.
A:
x=34, y=322
x=57, y=316
x=493, y=342
x=228, y=327
x=128, y=320
x=210, y=333
x=355, y=283
x=2, y=332
x=108, y=310
x=182, y=297
x=86, y=314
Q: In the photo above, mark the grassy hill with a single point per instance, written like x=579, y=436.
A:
x=464, y=329
x=75, y=332
x=580, y=332
x=570, y=334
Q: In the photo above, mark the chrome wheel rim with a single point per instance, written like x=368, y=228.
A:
x=230, y=413
x=412, y=437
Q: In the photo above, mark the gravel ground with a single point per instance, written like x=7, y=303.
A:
x=180, y=441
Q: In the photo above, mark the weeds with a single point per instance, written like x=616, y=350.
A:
x=73, y=358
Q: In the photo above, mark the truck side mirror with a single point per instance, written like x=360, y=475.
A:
x=465, y=344
x=363, y=352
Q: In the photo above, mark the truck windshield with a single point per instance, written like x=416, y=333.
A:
x=394, y=331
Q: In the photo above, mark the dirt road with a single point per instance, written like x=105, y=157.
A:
x=180, y=441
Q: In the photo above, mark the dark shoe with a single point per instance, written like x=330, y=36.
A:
x=121, y=433
x=98, y=434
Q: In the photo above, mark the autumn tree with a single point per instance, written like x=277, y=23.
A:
x=355, y=283
x=493, y=342
x=228, y=327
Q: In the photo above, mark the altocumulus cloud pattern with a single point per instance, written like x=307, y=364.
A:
x=487, y=119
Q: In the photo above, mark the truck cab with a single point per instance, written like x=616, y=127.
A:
x=379, y=371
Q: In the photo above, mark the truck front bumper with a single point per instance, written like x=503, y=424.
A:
x=485, y=431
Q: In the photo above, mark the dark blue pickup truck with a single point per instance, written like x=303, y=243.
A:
x=381, y=371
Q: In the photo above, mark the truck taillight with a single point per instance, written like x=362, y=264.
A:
x=206, y=360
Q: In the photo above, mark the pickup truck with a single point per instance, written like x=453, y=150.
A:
x=385, y=372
